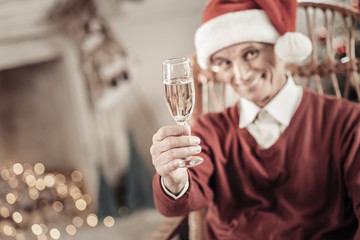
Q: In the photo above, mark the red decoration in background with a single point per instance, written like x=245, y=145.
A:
x=341, y=50
x=321, y=33
x=340, y=47
x=356, y=4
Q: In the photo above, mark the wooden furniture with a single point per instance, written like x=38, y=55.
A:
x=332, y=68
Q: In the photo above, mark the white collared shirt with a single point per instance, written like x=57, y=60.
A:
x=279, y=113
x=267, y=123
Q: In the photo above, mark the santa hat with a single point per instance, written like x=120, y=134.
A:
x=228, y=22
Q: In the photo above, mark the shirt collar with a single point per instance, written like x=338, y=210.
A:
x=281, y=107
x=248, y=112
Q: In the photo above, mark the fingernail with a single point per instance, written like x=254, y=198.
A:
x=176, y=163
x=196, y=140
x=198, y=149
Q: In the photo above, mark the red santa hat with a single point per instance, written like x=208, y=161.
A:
x=228, y=22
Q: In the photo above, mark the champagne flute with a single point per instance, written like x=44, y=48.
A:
x=180, y=96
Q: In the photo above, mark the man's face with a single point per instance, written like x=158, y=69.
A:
x=252, y=69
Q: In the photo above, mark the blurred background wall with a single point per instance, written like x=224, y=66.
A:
x=80, y=89
x=47, y=112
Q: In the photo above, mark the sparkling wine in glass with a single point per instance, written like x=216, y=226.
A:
x=180, y=96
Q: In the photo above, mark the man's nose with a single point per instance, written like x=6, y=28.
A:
x=241, y=71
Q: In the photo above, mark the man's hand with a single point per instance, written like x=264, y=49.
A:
x=170, y=145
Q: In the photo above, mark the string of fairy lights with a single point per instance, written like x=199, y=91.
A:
x=42, y=205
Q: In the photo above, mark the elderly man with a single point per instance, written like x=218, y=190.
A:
x=283, y=162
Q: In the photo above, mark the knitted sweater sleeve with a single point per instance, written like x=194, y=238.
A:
x=200, y=191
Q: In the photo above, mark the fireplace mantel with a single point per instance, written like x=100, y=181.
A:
x=27, y=52
x=26, y=33
x=21, y=19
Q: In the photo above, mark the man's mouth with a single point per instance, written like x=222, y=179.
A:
x=253, y=82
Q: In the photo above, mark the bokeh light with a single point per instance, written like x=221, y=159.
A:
x=80, y=204
x=76, y=176
x=10, y=198
x=92, y=220
x=109, y=221
x=30, y=180
x=78, y=222
x=42, y=236
x=4, y=212
x=70, y=229
x=8, y=230
x=55, y=233
x=62, y=190
x=39, y=168
x=42, y=204
x=18, y=168
x=33, y=193
x=17, y=217
x=49, y=180
x=57, y=206
x=60, y=178
x=75, y=192
x=40, y=184
x=5, y=174
x=36, y=229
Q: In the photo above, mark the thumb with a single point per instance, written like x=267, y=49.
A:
x=188, y=129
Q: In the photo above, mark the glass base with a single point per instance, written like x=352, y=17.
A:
x=191, y=161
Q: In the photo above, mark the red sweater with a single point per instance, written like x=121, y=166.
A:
x=305, y=186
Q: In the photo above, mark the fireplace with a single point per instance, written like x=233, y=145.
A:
x=37, y=116
x=45, y=115
x=61, y=78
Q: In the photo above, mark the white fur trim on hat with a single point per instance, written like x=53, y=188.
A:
x=293, y=47
x=232, y=28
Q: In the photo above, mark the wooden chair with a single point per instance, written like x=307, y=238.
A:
x=332, y=68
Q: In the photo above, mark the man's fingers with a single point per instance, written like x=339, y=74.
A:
x=169, y=167
x=178, y=142
x=175, y=153
x=178, y=153
x=170, y=145
x=167, y=131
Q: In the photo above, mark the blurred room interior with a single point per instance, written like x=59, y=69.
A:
x=80, y=98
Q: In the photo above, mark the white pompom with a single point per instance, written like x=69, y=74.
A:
x=293, y=47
